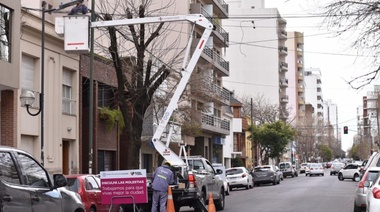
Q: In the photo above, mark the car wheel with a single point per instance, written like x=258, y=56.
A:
x=92, y=209
x=278, y=182
x=228, y=190
x=323, y=175
x=274, y=182
x=340, y=177
x=219, y=204
x=355, y=176
x=357, y=208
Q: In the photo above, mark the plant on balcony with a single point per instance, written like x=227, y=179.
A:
x=112, y=116
x=192, y=129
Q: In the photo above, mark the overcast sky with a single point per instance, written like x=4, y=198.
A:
x=335, y=58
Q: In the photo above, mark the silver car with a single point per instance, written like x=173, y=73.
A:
x=239, y=177
x=361, y=190
x=266, y=174
x=336, y=167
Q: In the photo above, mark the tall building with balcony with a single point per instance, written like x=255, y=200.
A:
x=313, y=90
x=371, y=105
x=295, y=76
x=330, y=117
x=258, y=55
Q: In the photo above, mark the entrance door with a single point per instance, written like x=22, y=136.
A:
x=65, y=157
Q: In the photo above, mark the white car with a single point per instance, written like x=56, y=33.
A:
x=350, y=171
x=303, y=168
x=316, y=169
x=223, y=176
x=373, y=195
x=239, y=177
x=362, y=188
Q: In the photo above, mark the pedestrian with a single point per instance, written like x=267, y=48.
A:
x=80, y=8
x=162, y=178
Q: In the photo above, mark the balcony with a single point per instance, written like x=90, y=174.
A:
x=299, y=63
x=283, y=82
x=301, y=88
x=283, y=66
x=219, y=64
x=206, y=88
x=222, y=37
x=282, y=34
x=219, y=6
x=300, y=76
x=283, y=50
x=301, y=101
x=284, y=99
x=212, y=123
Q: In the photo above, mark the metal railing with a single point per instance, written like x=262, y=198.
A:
x=216, y=57
x=214, y=121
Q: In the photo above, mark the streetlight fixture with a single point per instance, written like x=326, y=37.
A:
x=27, y=98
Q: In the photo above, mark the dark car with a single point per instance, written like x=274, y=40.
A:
x=27, y=186
x=266, y=174
x=89, y=188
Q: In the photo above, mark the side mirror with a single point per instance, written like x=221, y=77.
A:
x=59, y=180
x=219, y=171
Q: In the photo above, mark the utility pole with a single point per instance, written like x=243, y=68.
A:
x=252, y=141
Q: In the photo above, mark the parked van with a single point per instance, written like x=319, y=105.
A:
x=287, y=169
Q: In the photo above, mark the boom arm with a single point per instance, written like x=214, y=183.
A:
x=197, y=19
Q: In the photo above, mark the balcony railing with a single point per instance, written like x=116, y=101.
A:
x=216, y=58
x=223, y=33
x=284, y=82
x=216, y=124
x=283, y=50
x=213, y=90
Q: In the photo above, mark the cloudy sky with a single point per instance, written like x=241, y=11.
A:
x=333, y=55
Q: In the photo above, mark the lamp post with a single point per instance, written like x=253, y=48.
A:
x=27, y=98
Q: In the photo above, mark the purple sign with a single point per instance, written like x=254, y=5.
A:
x=121, y=187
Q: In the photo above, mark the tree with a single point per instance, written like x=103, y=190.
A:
x=325, y=152
x=273, y=139
x=359, y=18
x=262, y=110
x=143, y=60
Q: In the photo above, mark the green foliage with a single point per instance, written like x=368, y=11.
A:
x=192, y=129
x=325, y=152
x=112, y=116
x=237, y=162
x=273, y=138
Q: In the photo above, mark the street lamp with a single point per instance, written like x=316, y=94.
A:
x=27, y=98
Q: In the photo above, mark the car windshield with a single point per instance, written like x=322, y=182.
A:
x=337, y=164
x=304, y=164
x=315, y=165
x=262, y=169
x=234, y=171
x=284, y=165
x=371, y=176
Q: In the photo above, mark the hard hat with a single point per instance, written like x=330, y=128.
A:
x=168, y=163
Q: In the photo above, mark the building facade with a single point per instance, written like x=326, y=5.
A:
x=313, y=90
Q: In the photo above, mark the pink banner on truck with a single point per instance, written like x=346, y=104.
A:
x=118, y=187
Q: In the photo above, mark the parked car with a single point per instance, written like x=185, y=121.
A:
x=223, y=177
x=373, y=160
x=239, y=177
x=266, y=174
x=287, y=169
x=336, y=167
x=303, y=168
x=280, y=173
x=316, y=169
x=328, y=165
x=373, y=195
x=27, y=186
x=361, y=190
x=89, y=188
x=350, y=171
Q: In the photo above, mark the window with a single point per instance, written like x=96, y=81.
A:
x=35, y=175
x=106, y=160
x=91, y=184
x=67, y=101
x=8, y=172
x=106, y=96
x=5, y=33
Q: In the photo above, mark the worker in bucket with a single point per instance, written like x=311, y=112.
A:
x=162, y=178
x=79, y=9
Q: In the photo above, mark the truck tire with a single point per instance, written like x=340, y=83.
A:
x=203, y=200
x=219, y=204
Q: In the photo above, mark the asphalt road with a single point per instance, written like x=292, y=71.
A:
x=299, y=194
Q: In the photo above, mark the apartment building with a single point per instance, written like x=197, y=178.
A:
x=295, y=75
x=313, y=90
x=258, y=54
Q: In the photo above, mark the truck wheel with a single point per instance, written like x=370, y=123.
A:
x=203, y=200
x=219, y=204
